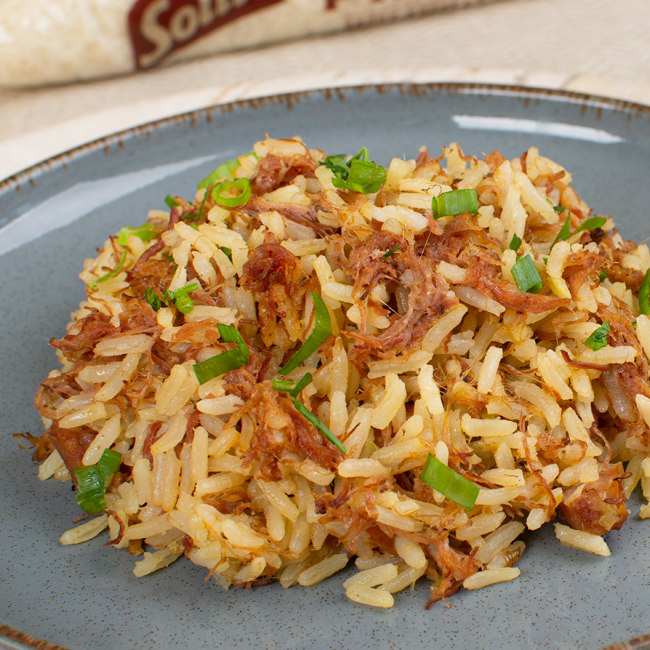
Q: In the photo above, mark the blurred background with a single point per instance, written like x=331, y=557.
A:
x=75, y=70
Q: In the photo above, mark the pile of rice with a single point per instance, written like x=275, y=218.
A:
x=434, y=350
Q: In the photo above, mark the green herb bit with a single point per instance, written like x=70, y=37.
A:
x=180, y=299
x=171, y=201
x=227, y=252
x=454, y=202
x=285, y=385
x=644, y=294
x=338, y=165
x=591, y=224
x=147, y=232
x=110, y=274
x=454, y=486
x=564, y=233
x=387, y=254
x=322, y=330
x=602, y=275
x=559, y=208
x=222, y=193
x=526, y=275
x=310, y=417
x=515, y=243
x=226, y=361
x=634, y=323
x=223, y=172
x=93, y=480
x=598, y=339
x=365, y=176
x=294, y=389
x=151, y=296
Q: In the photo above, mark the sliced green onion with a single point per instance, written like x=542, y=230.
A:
x=591, y=224
x=322, y=330
x=152, y=298
x=221, y=193
x=598, y=339
x=110, y=274
x=564, y=233
x=602, y=275
x=301, y=385
x=559, y=208
x=171, y=201
x=515, y=243
x=358, y=174
x=387, y=254
x=454, y=486
x=300, y=407
x=226, y=361
x=93, y=480
x=223, y=172
x=290, y=386
x=634, y=323
x=109, y=463
x=91, y=490
x=337, y=164
x=285, y=385
x=526, y=275
x=146, y=233
x=180, y=299
x=365, y=176
x=448, y=204
x=364, y=154
x=227, y=252
x=644, y=294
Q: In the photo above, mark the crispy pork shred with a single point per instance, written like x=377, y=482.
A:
x=533, y=392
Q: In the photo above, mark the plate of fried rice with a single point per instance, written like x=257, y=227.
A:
x=357, y=368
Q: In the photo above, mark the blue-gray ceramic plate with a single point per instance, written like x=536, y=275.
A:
x=54, y=215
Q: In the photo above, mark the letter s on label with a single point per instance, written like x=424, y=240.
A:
x=154, y=32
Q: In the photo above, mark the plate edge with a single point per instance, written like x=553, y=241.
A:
x=11, y=639
x=29, y=175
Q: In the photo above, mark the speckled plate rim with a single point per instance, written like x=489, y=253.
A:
x=527, y=93
x=11, y=639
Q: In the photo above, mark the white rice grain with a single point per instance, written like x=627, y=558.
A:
x=581, y=540
x=84, y=532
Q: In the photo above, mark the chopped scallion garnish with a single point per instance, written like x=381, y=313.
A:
x=602, y=275
x=222, y=173
x=515, y=243
x=171, y=201
x=387, y=254
x=285, y=385
x=226, y=361
x=598, y=339
x=147, y=232
x=110, y=274
x=644, y=294
x=310, y=417
x=294, y=389
x=559, y=208
x=454, y=202
x=564, y=233
x=152, y=298
x=322, y=330
x=222, y=192
x=358, y=174
x=591, y=224
x=454, y=486
x=180, y=298
x=526, y=275
x=365, y=176
x=93, y=480
x=227, y=252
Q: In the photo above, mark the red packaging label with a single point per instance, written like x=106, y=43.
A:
x=159, y=27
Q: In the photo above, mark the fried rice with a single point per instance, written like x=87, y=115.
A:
x=467, y=374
